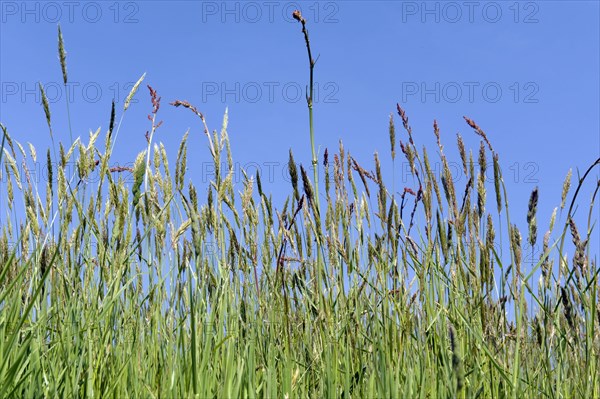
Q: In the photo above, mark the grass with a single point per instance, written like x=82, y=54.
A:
x=113, y=291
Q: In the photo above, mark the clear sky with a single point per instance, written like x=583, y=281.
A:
x=527, y=72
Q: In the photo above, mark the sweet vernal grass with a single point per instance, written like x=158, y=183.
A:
x=139, y=285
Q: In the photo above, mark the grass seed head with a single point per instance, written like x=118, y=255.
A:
x=497, y=178
x=516, y=245
x=546, y=263
x=392, y=132
x=478, y=131
x=462, y=151
x=481, y=192
x=62, y=55
x=111, y=122
x=134, y=90
x=297, y=15
x=293, y=171
x=579, y=258
x=565, y=189
x=49, y=167
x=307, y=186
x=46, y=107
x=531, y=219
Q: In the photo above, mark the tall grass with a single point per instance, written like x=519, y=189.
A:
x=142, y=288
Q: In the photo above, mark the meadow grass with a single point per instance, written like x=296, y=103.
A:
x=112, y=291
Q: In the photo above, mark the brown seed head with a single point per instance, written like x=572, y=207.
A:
x=402, y=114
x=479, y=131
x=306, y=183
x=298, y=16
x=531, y=211
x=155, y=100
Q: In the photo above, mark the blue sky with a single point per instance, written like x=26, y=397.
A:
x=527, y=72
